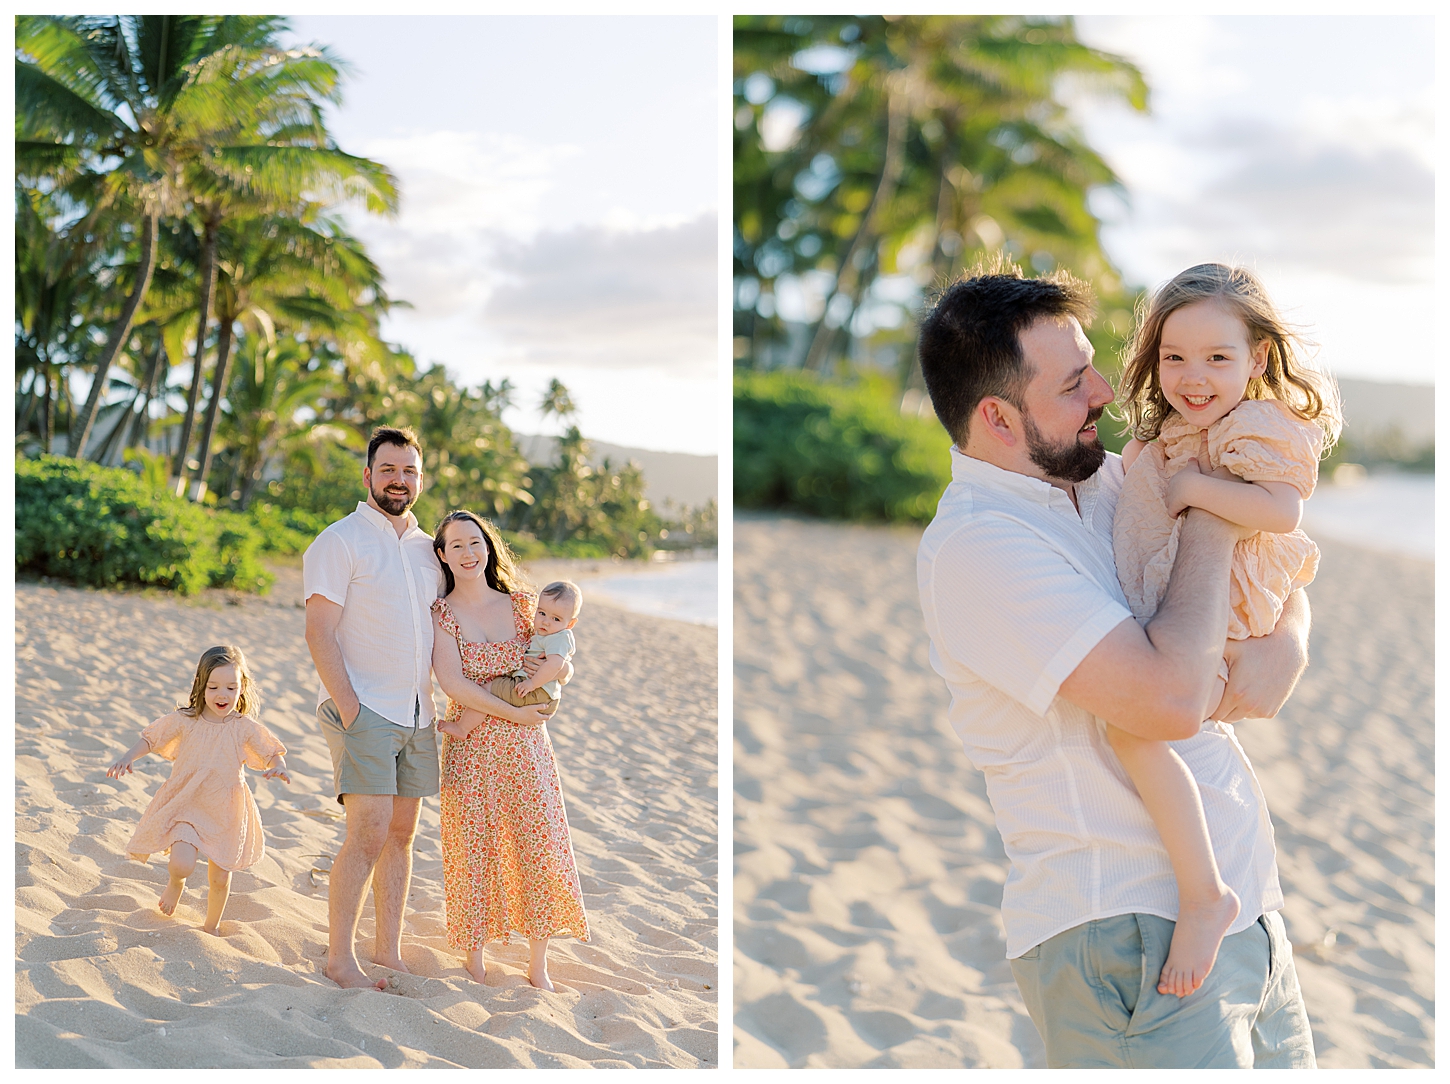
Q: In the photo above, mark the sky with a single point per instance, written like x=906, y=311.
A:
x=559, y=184
x=1302, y=146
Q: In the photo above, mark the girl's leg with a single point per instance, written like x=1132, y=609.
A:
x=539, y=964
x=219, y=887
x=1206, y=906
x=475, y=965
x=180, y=865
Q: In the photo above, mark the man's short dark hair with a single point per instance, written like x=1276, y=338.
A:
x=386, y=434
x=970, y=345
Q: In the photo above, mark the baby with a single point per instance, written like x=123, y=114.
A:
x=559, y=605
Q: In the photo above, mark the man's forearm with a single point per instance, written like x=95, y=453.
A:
x=1189, y=629
x=327, y=658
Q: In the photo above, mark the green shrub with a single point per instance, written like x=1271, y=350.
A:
x=286, y=530
x=101, y=526
x=842, y=451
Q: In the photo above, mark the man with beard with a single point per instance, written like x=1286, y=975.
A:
x=1030, y=629
x=368, y=581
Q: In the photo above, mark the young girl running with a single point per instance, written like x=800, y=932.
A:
x=1216, y=397
x=206, y=808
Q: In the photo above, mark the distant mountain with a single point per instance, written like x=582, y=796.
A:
x=688, y=480
x=1372, y=408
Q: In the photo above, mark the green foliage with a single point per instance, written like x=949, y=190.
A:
x=921, y=144
x=843, y=451
x=102, y=526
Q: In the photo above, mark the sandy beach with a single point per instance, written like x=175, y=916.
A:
x=868, y=870
x=104, y=979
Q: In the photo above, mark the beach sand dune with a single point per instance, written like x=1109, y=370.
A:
x=104, y=979
x=869, y=873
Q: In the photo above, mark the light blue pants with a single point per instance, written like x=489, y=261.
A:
x=1093, y=993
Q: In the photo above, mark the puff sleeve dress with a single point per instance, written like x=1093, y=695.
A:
x=206, y=802
x=1260, y=440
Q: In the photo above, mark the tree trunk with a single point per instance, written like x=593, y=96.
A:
x=847, y=275
x=47, y=410
x=81, y=426
x=138, y=423
x=213, y=408
x=208, y=288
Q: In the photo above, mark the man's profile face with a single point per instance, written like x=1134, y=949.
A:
x=395, y=478
x=1063, y=401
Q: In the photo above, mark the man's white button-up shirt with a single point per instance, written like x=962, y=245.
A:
x=385, y=586
x=1017, y=586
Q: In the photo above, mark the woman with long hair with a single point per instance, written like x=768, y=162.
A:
x=508, y=864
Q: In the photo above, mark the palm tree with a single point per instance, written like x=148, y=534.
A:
x=273, y=383
x=206, y=111
x=281, y=270
x=924, y=141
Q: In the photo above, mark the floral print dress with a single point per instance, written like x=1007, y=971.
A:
x=507, y=860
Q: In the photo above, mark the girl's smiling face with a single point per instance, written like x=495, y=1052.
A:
x=1205, y=361
x=222, y=689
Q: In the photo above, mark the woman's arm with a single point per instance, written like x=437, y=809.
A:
x=448, y=669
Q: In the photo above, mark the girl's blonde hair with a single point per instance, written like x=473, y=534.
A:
x=249, y=700
x=1289, y=377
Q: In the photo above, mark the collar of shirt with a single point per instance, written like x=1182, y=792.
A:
x=372, y=515
x=966, y=468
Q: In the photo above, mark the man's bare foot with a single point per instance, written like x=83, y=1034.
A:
x=1196, y=937
x=475, y=966
x=392, y=963
x=353, y=978
x=172, y=896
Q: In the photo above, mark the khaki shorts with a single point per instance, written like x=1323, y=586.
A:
x=1092, y=992
x=503, y=688
x=376, y=756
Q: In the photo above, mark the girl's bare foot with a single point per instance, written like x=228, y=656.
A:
x=172, y=896
x=1196, y=937
x=475, y=966
x=539, y=965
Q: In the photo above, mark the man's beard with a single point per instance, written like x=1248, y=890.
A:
x=1072, y=462
x=393, y=505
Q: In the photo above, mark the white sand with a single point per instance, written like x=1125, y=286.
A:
x=869, y=871
x=104, y=979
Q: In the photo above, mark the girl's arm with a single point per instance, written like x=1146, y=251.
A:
x=1131, y=451
x=129, y=757
x=277, y=769
x=1265, y=506
x=448, y=669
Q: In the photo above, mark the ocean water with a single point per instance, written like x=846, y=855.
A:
x=681, y=591
x=1390, y=512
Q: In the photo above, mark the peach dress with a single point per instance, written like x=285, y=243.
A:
x=206, y=802
x=1259, y=440
x=507, y=860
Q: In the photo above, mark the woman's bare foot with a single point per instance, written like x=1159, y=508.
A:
x=475, y=967
x=172, y=896
x=1196, y=937
x=539, y=965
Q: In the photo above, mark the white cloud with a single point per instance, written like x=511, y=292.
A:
x=610, y=298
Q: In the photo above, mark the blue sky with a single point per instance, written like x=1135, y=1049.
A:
x=559, y=206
